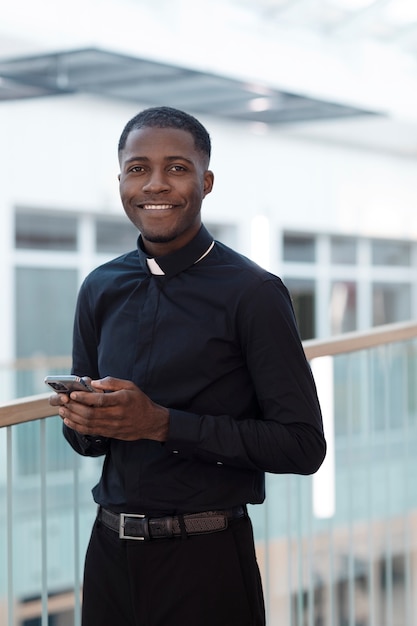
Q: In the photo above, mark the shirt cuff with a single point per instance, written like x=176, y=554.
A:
x=90, y=443
x=183, y=432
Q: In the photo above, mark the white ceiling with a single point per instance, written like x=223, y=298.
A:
x=358, y=53
x=389, y=22
x=378, y=34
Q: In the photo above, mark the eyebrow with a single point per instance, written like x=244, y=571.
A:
x=168, y=159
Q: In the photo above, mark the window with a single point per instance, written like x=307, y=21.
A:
x=360, y=282
x=303, y=298
x=343, y=250
x=391, y=303
x=45, y=302
x=45, y=231
x=396, y=253
x=225, y=233
x=342, y=307
x=115, y=236
x=300, y=248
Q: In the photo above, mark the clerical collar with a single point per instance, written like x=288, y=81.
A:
x=154, y=268
x=182, y=259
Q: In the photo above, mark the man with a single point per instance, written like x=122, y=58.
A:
x=205, y=387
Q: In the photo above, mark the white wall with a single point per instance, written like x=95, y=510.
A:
x=61, y=153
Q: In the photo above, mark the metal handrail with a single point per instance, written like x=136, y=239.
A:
x=26, y=409
x=38, y=361
x=37, y=407
x=360, y=340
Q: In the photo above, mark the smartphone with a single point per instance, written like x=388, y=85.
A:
x=66, y=384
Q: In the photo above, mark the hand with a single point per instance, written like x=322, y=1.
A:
x=126, y=413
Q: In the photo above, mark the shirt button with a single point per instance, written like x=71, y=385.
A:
x=219, y=463
x=175, y=452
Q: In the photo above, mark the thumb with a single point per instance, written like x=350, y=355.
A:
x=111, y=384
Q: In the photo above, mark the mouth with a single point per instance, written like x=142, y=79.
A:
x=156, y=207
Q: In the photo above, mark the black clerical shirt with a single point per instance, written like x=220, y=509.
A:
x=213, y=338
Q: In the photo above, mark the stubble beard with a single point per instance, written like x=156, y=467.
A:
x=158, y=237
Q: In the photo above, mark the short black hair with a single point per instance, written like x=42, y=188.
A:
x=168, y=117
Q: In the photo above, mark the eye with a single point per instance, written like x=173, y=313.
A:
x=136, y=168
x=177, y=168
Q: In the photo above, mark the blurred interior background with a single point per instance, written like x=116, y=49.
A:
x=312, y=110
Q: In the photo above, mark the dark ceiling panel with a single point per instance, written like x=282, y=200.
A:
x=119, y=76
x=15, y=90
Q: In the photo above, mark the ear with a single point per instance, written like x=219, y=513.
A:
x=208, y=182
x=118, y=177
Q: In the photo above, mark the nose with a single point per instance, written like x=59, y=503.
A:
x=156, y=182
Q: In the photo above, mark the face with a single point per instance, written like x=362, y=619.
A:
x=163, y=181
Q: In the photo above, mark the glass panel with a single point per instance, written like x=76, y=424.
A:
x=343, y=307
x=391, y=303
x=343, y=250
x=60, y=455
x=47, y=519
x=356, y=567
x=45, y=301
x=115, y=236
x=41, y=231
x=300, y=248
x=303, y=295
x=391, y=252
x=349, y=374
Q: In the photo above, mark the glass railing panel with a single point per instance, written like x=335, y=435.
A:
x=46, y=524
x=357, y=566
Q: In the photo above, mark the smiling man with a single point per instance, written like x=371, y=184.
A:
x=163, y=181
x=202, y=387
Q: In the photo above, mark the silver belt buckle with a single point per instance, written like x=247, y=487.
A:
x=122, y=533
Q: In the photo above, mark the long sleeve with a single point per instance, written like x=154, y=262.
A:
x=287, y=435
x=86, y=445
x=85, y=364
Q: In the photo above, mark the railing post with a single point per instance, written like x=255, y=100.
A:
x=9, y=487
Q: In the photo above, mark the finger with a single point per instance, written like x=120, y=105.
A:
x=89, y=399
x=81, y=397
x=58, y=399
x=112, y=384
x=80, y=427
x=76, y=420
x=85, y=425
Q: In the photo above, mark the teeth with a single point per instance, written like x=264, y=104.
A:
x=158, y=207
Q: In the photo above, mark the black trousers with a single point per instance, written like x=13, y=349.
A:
x=204, y=580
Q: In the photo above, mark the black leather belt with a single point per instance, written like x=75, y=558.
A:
x=140, y=527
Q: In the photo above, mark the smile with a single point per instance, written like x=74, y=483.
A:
x=157, y=207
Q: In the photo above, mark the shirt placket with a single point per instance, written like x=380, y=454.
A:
x=146, y=333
